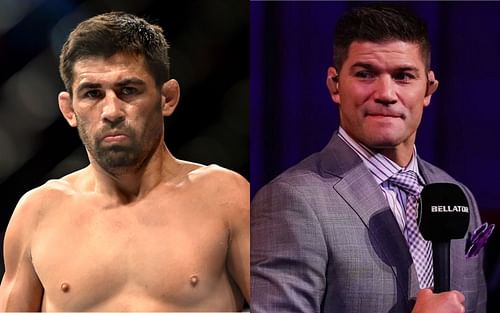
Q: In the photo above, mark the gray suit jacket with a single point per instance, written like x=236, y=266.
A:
x=323, y=239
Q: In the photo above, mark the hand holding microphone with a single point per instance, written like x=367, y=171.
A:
x=446, y=302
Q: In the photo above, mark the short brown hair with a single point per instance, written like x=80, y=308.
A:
x=379, y=24
x=115, y=32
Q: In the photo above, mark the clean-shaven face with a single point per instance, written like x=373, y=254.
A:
x=382, y=93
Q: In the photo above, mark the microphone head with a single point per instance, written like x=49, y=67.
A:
x=443, y=212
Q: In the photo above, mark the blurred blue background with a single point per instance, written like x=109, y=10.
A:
x=209, y=58
x=293, y=116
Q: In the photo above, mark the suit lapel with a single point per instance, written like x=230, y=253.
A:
x=362, y=193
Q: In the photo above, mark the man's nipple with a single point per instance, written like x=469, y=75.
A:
x=65, y=287
x=194, y=280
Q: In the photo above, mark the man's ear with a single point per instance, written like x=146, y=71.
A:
x=432, y=85
x=332, y=83
x=170, y=94
x=66, y=107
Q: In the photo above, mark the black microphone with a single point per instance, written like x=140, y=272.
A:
x=443, y=215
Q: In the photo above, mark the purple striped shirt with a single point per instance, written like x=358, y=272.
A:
x=382, y=168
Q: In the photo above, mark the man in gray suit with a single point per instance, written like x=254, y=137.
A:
x=332, y=234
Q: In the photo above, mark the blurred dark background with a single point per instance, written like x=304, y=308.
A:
x=209, y=58
x=293, y=116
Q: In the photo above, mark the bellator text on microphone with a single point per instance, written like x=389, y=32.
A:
x=449, y=208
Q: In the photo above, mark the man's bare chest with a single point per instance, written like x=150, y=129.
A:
x=167, y=254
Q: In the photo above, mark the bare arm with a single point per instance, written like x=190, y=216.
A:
x=20, y=289
x=239, y=249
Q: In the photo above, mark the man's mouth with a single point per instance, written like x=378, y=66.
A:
x=384, y=115
x=114, y=137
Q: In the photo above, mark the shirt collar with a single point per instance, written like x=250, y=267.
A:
x=378, y=164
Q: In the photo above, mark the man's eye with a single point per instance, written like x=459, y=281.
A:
x=364, y=74
x=127, y=91
x=403, y=77
x=93, y=94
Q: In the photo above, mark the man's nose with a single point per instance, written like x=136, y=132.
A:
x=112, y=108
x=385, y=92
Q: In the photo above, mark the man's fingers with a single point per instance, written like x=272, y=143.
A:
x=460, y=296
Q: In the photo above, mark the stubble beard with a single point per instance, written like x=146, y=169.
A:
x=121, y=158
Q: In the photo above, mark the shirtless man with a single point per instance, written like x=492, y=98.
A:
x=137, y=229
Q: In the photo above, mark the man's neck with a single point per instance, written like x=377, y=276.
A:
x=401, y=154
x=130, y=184
x=398, y=155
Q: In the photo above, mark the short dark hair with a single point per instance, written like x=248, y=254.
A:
x=115, y=32
x=379, y=24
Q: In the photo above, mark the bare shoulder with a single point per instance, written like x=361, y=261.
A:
x=226, y=189
x=33, y=204
x=30, y=206
x=25, y=219
x=218, y=179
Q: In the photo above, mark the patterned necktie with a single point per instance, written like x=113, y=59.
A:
x=420, y=249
